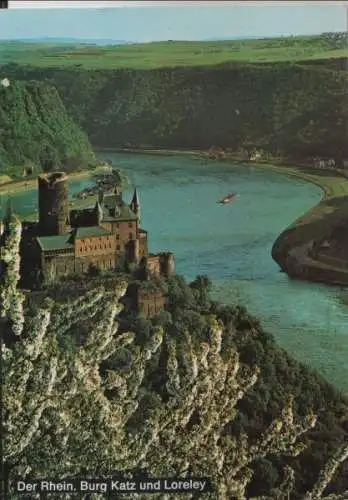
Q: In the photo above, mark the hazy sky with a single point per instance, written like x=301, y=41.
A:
x=172, y=21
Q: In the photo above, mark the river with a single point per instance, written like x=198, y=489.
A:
x=232, y=244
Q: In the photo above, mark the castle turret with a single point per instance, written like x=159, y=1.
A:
x=100, y=196
x=99, y=212
x=53, y=204
x=167, y=264
x=135, y=204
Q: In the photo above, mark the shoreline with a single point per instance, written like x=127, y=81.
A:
x=290, y=250
x=317, y=177
x=15, y=187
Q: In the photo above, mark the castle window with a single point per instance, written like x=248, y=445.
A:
x=130, y=236
x=130, y=224
x=117, y=236
x=118, y=247
x=109, y=245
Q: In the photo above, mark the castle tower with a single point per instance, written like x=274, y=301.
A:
x=53, y=204
x=100, y=196
x=99, y=212
x=167, y=264
x=135, y=204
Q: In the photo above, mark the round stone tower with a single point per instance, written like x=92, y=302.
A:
x=167, y=264
x=53, y=204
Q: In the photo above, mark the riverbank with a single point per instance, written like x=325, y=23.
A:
x=15, y=187
x=293, y=248
x=333, y=183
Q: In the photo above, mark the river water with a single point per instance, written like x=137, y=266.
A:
x=232, y=244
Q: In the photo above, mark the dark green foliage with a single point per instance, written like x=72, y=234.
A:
x=265, y=477
x=280, y=376
x=286, y=108
x=120, y=361
x=36, y=131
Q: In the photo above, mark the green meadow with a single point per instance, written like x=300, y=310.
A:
x=176, y=53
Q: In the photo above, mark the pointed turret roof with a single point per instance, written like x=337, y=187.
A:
x=98, y=209
x=135, y=200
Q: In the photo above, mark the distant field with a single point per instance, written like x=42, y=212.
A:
x=176, y=53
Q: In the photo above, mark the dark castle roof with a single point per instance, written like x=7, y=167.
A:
x=115, y=209
x=59, y=242
x=66, y=241
x=85, y=232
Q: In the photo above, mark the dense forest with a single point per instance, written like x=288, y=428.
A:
x=199, y=390
x=36, y=132
x=290, y=109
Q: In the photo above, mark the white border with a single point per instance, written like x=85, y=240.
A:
x=88, y=4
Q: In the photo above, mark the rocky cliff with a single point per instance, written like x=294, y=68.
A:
x=298, y=251
x=176, y=399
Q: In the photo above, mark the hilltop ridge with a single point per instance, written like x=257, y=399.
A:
x=290, y=110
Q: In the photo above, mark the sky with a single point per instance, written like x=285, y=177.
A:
x=145, y=22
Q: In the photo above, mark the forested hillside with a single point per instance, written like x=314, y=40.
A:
x=36, y=132
x=291, y=109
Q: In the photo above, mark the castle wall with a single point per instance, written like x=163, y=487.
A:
x=162, y=264
x=150, y=303
x=95, y=246
x=53, y=203
x=124, y=231
x=146, y=303
x=143, y=247
x=154, y=265
x=54, y=265
x=167, y=263
x=103, y=261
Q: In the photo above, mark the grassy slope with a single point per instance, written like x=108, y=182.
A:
x=176, y=53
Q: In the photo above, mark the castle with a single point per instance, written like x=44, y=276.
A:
x=104, y=233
